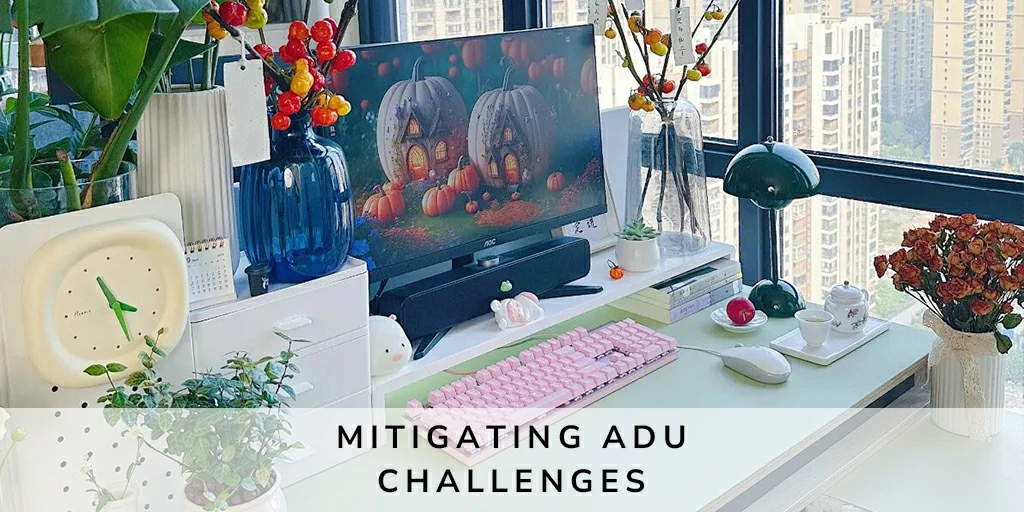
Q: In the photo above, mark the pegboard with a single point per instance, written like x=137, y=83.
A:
x=44, y=472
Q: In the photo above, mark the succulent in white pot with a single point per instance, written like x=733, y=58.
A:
x=637, y=247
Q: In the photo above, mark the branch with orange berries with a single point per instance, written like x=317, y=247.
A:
x=652, y=89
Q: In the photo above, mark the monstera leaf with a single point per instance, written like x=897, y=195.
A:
x=101, y=62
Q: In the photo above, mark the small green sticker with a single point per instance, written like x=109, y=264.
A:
x=506, y=286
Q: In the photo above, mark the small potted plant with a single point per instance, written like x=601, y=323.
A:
x=121, y=496
x=225, y=429
x=637, y=247
x=17, y=435
x=968, y=275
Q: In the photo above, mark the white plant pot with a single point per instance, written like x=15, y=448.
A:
x=949, y=403
x=271, y=501
x=635, y=256
x=128, y=503
x=183, y=149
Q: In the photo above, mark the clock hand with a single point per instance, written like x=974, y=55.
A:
x=118, y=307
x=120, y=319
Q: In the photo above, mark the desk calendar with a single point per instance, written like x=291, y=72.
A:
x=210, y=279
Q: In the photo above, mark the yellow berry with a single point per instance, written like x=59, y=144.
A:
x=693, y=75
x=708, y=15
x=659, y=49
x=344, y=109
x=610, y=33
x=648, y=106
x=634, y=23
x=718, y=15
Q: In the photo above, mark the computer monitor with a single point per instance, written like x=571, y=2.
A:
x=457, y=145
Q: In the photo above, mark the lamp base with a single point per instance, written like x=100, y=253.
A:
x=778, y=299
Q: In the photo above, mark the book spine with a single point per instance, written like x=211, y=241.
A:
x=705, y=301
x=665, y=296
x=679, y=297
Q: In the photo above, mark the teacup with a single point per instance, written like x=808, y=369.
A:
x=814, y=326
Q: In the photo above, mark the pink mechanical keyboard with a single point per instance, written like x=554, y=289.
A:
x=545, y=382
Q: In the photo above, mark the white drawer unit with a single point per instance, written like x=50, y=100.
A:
x=318, y=432
x=332, y=369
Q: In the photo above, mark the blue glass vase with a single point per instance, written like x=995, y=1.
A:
x=295, y=209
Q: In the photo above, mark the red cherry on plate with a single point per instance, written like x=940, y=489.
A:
x=740, y=311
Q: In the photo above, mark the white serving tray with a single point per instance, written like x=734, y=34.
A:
x=836, y=346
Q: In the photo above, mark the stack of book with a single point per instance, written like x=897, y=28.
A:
x=682, y=296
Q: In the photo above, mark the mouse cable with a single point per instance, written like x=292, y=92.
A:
x=700, y=349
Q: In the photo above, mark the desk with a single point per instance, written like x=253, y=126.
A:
x=695, y=381
x=926, y=468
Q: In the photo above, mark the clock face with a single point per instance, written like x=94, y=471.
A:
x=92, y=295
x=84, y=320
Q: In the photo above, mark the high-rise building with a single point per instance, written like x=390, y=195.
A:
x=432, y=19
x=906, y=58
x=970, y=78
x=1015, y=88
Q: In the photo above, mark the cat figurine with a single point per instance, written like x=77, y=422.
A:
x=518, y=311
x=390, y=348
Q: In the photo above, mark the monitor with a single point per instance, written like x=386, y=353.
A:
x=457, y=145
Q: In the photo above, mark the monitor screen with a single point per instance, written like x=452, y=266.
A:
x=457, y=145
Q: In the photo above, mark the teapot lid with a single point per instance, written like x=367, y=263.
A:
x=845, y=292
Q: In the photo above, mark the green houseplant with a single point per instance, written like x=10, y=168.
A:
x=225, y=429
x=637, y=247
x=114, y=54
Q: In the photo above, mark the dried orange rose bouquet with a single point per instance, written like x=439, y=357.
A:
x=969, y=274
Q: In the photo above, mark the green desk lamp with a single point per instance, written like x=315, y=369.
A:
x=772, y=175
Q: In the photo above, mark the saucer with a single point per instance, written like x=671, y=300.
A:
x=720, y=317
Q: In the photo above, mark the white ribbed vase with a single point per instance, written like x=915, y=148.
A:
x=952, y=386
x=183, y=149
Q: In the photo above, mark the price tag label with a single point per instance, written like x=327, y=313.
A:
x=682, y=41
x=248, y=126
x=598, y=15
x=635, y=5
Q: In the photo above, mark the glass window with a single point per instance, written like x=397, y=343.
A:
x=725, y=214
x=927, y=82
x=617, y=82
x=420, y=20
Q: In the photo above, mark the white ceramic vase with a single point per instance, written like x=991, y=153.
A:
x=949, y=401
x=128, y=503
x=271, y=501
x=637, y=256
x=183, y=149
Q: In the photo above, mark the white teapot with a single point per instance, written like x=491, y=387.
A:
x=849, y=305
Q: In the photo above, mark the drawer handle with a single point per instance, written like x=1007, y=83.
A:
x=292, y=323
x=299, y=388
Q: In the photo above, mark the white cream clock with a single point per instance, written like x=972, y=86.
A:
x=87, y=288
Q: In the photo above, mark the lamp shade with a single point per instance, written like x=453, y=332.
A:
x=772, y=175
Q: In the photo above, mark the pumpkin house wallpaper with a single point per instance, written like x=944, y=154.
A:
x=462, y=140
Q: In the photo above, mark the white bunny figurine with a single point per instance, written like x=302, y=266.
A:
x=521, y=310
x=390, y=348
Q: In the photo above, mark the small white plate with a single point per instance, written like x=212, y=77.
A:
x=720, y=317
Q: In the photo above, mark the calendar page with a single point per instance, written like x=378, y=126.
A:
x=210, y=279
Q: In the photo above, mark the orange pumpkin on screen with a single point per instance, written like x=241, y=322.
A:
x=394, y=186
x=464, y=178
x=522, y=51
x=383, y=69
x=385, y=206
x=438, y=200
x=474, y=53
x=559, y=67
x=556, y=181
x=536, y=71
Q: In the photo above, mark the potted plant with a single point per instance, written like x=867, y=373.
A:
x=113, y=56
x=121, y=496
x=17, y=435
x=226, y=429
x=968, y=275
x=637, y=247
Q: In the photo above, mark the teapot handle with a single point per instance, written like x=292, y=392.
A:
x=867, y=296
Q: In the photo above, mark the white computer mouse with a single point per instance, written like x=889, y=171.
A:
x=759, y=363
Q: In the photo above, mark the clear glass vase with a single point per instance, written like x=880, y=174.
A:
x=49, y=195
x=666, y=182
x=295, y=210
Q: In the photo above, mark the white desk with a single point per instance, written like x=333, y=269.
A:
x=928, y=469
x=705, y=478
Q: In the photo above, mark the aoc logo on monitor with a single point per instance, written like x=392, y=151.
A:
x=491, y=243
